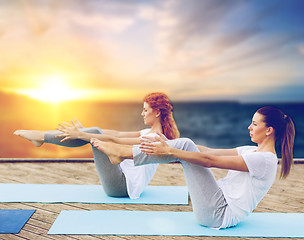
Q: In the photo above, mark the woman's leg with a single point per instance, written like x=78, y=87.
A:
x=36, y=137
x=40, y=137
x=111, y=176
x=208, y=201
x=207, y=198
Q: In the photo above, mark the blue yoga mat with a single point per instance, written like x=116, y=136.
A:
x=13, y=220
x=54, y=193
x=109, y=222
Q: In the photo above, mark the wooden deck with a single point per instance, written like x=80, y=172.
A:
x=284, y=196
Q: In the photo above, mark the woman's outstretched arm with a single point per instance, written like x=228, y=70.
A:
x=217, y=152
x=72, y=131
x=200, y=158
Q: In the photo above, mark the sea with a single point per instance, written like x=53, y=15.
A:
x=212, y=124
x=223, y=124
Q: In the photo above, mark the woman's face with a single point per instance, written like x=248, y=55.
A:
x=149, y=114
x=258, y=129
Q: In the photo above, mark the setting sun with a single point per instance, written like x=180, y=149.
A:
x=52, y=89
x=58, y=88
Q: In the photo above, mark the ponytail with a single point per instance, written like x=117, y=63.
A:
x=287, y=141
x=285, y=131
x=169, y=127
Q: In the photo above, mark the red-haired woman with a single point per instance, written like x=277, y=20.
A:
x=124, y=179
x=252, y=169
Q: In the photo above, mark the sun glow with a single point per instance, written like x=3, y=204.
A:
x=52, y=89
x=55, y=89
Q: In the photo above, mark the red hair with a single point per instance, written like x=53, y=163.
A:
x=160, y=101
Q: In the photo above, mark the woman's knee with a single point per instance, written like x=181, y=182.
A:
x=186, y=144
x=94, y=130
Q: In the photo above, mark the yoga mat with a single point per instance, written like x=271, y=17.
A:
x=56, y=193
x=13, y=220
x=112, y=222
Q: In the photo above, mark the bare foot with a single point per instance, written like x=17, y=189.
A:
x=116, y=152
x=36, y=137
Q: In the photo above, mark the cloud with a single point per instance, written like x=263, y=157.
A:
x=213, y=27
x=196, y=19
x=174, y=45
x=88, y=38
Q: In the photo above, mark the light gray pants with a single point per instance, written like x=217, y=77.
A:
x=207, y=198
x=111, y=176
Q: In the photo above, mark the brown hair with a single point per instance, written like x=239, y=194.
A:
x=160, y=101
x=284, y=130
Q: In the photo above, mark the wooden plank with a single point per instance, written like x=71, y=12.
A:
x=46, y=160
x=75, y=160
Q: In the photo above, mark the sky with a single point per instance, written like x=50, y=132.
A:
x=121, y=50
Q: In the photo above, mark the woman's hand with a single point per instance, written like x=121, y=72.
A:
x=151, y=147
x=69, y=131
x=77, y=123
x=162, y=136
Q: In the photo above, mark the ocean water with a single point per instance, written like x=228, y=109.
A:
x=212, y=124
x=225, y=124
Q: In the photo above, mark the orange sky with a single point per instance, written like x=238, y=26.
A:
x=20, y=112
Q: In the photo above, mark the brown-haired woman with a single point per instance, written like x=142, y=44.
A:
x=124, y=179
x=252, y=169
